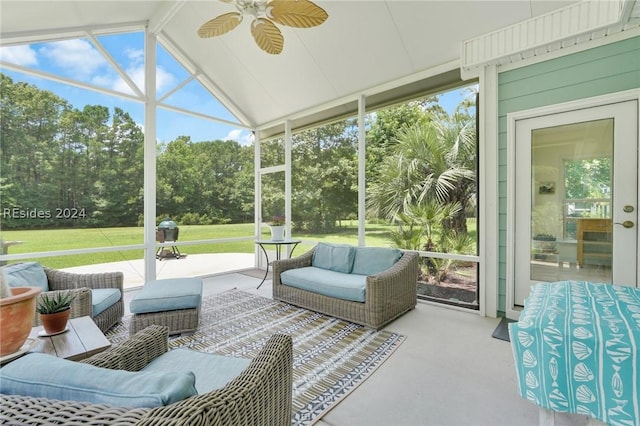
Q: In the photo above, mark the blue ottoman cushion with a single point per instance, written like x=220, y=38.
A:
x=167, y=295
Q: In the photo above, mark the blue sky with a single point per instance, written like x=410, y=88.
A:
x=78, y=59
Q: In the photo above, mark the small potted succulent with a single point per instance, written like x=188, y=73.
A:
x=55, y=310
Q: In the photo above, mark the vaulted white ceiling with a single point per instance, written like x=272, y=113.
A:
x=366, y=47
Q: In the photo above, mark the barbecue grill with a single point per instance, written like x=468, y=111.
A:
x=167, y=231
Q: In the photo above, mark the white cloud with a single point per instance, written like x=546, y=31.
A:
x=77, y=55
x=84, y=60
x=243, y=137
x=19, y=55
x=163, y=79
x=233, y=134
x=102, y=80
x=136, y=56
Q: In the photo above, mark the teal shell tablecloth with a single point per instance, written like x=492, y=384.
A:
x=576, y=349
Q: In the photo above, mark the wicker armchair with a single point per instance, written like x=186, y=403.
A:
x=260, y=395
x=82, y=284
x=389, y=294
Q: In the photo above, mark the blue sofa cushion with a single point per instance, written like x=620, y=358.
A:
x=28, y=274
x=46, y=376
x=334, y=257
x=103, y=298
x=329, y=283
x=212, y=371
x=167, y=295
x=373, y=260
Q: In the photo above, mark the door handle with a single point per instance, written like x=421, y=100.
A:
x=627, y=224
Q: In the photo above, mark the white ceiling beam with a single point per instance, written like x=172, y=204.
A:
x=165, y=15
x=203, y=116
x=178, y=87
x=69, y=81
x=628, y=8
x=58, y=34
x=123, y=75
x=179, y=55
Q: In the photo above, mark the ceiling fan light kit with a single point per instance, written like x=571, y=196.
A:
x=265, y=14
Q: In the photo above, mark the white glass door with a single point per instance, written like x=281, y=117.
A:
x=576, y=198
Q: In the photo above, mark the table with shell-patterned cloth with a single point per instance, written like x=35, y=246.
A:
x=576, y=349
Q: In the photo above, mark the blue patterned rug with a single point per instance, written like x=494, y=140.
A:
x=331, y=357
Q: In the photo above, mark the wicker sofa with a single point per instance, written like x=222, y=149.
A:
x=387, y=295
x=260, y=395
x=82, y=285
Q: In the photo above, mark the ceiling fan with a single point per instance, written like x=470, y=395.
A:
x=265, y=14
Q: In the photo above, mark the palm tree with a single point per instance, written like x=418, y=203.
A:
x=432, y=160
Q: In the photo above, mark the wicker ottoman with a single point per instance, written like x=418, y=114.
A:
x=174, y=303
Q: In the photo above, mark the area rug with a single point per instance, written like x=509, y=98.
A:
x=331, y=357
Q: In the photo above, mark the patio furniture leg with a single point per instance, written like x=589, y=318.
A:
x=546, y=417
x=266, y=272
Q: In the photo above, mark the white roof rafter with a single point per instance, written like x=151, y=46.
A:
x=123, y=75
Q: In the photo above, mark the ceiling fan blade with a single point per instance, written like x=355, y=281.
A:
x=220, y=25
x=296, y=13
x=267, y=36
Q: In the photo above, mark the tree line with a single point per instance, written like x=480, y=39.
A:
x=55, y=157
x=61, y=166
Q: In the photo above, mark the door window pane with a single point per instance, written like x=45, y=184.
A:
x=572, y=171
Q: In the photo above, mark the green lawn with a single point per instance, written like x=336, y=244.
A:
x=66, y=239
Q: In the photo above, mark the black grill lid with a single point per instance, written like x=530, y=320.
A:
x=167, y=224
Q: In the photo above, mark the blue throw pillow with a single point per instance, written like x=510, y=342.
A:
x=373, y=260
x=28, y=274
x=46, y=376
x=334, y=257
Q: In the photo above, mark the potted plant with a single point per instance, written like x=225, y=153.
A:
x=54, y=310
x=547, y=223
x=544, y=242
x=17, y=307
x=277, y=228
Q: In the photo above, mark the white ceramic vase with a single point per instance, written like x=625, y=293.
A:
x=277, y=233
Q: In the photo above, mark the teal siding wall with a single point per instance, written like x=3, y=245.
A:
x=606, y=69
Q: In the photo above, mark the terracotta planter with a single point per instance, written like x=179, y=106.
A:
x=16, y=318
x=55, y=323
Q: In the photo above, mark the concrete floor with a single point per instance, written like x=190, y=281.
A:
x=191, y=265
x=448, y=372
